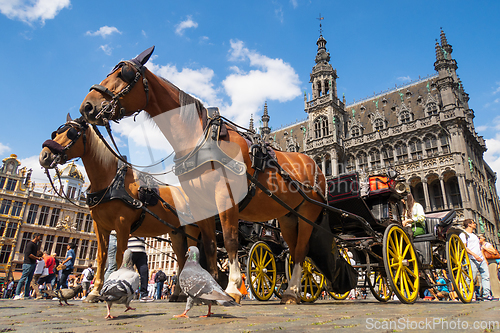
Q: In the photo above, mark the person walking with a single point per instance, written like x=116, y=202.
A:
x=477, y=260
x=69, y=262
x=50, y=265
x=140, y=260
x=87, y=277
x=491, y=254
x=160, y=278
x=29, y=265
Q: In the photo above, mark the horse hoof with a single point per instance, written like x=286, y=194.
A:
x=289, y=299
x=237, y=298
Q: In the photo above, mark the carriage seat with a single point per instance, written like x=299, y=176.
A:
x=436, y=224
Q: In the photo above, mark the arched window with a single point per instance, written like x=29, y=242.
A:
x=355, y=131
x=453, y=191
x=374, y=159
x=418, y=194
x=415, y=146
x=351, y=165
x=378, y=124
x=320, y=127
x=436, y=195
x=401, y=152
x=388, y=155
x=431, y=145
x=362, y=161
x=405, y=117
x=432, y=108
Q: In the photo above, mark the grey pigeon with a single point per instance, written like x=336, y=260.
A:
x=67, y=293
x=121, y=285
x=199, y=285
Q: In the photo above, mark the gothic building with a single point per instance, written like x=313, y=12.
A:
x=423, y=129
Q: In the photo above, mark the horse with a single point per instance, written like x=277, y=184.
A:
x=77, y=139
x=215, y=187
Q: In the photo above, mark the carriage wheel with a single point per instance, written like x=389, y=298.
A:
x=261, y=270
x=379, y=287
x=459, y=268
x=336, y=296
x=401, y=264
x=281, y=285
x=311, y=282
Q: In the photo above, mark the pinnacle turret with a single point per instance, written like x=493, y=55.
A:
x=265, y=121
x=250, y=127
x=444, y=44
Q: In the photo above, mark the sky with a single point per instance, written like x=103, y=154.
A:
x=236, y=55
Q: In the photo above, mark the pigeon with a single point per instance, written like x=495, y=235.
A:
x=67, y=293
x=199, y=285
x=121, y=285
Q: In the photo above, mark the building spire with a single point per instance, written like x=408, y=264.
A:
x=444, y=43
x=265, y=121
x=250, y=127
x=439, y=52
x=322, y=56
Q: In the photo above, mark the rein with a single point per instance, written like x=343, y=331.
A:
x=64, y=193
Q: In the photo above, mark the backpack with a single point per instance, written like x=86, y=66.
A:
x=90, y=275
x=160, y=276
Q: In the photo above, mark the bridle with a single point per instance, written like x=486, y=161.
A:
x=74, y=130
x=109, y=108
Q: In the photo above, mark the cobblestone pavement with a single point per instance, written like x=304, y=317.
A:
x=252, y=316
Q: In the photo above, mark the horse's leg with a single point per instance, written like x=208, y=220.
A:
x=228, y=213
x=102, y=253
x=207, y=228
x=289, y=230
x=180, y=252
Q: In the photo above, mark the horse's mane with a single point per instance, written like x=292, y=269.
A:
x=99, y=150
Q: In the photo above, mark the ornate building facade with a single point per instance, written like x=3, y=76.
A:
x=24, y=212
x=424, y=130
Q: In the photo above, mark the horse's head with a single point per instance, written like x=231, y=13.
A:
x=68, y=142
x=107, y=101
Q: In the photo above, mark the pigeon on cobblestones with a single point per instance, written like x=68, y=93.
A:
x=199, y=285
x=121, y=285
x=67, y=293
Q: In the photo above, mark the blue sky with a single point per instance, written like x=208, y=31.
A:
x=236, y=55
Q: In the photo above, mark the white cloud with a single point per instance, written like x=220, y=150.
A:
x=197, y=82
x=404, y=78
x=294, y=3
x=4, y=149
x=106, y=48
x=273, y=79
x=497, y=89
x=32, y=10
x=104, y=31
x=492, y=155
x=481, y=128
x=186, y=24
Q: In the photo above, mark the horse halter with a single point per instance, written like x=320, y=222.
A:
x=74, y=130
x=108, y=109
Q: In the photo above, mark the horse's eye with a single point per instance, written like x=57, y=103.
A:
x=54, y=134
x=72, y=134
x=127, y=74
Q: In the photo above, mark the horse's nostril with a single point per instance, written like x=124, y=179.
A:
x=88, y=108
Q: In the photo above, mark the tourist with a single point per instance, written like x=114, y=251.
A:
x=29, y=265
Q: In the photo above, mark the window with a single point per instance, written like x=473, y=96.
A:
x=320, y=127
x=388, y=155
x=79, y=221
x=5, y=207
x=362, y=161
x=44, y=213
x=401, y=152
x=71, y=192
x=350, y=164
x=454, y=192
x=26, y=238
x=11, y=230
x=88, y=223
x=16, y=208
x=374, y=159
x=49, y=243
x=405, y=117
x=5, y=253
x=32, y=214
x=3, y=224
x=432, y=109
x=2, y=182
x=83, y=249
x=415, y=149
x=437, y=195
x=11, y=184
x=445, y=147
x=379, y=124
x=355, y=131
x=62, y=246
x=431, y=145
x=93, y=250
x=418, y=194
x=54, y=217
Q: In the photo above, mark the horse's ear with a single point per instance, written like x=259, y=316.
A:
x=68, y=118
x=144, y=56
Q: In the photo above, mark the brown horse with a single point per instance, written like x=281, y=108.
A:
x=214, y=187
x=77, y=139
